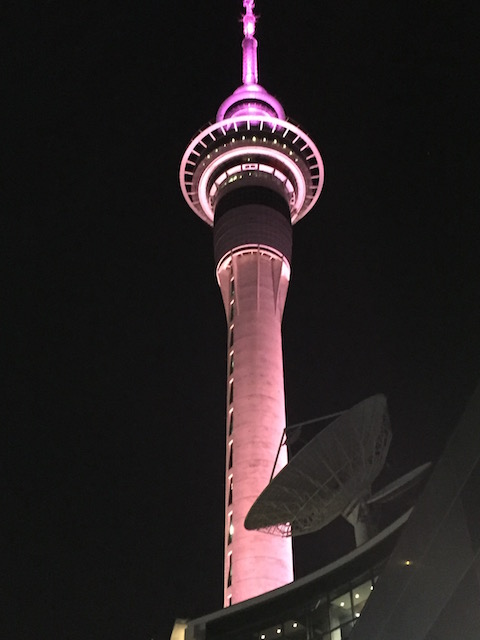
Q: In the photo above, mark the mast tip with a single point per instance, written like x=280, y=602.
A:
x=249, y=19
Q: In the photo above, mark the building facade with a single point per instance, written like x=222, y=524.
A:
x=322, y=606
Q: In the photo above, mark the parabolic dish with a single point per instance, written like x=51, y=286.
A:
x=401, y=485
x=334, y=470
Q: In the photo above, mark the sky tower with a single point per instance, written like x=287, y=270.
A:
x=252, y=175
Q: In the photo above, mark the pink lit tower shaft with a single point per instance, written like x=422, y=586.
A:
x=251, y=175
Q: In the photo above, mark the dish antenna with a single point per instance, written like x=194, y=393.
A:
x=330, y=476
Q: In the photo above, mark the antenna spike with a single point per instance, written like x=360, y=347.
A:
x=249, y=19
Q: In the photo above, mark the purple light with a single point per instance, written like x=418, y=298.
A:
x=248, y=25
x=303, y=189
x=249, y=18
x=250, y=65
x=250, y=100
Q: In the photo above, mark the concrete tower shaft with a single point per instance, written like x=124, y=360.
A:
x=254, y=283
x=252, y=244
x=252, y=175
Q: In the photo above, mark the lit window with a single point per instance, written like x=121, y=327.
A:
x=360, y=596
x=230, y=528
x=340, y=610
x=229, y=579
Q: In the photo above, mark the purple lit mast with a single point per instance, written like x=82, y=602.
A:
x=251, y=175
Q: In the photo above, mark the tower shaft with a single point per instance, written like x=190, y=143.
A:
x=252, y=246
x=254, y=283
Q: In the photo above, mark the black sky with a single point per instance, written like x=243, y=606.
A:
x=112, y=473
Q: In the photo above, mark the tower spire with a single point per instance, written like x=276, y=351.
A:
x=250, y=98
x=249, y=19
x=249, y=45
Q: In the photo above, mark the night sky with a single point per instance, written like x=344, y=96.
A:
x=112, y=472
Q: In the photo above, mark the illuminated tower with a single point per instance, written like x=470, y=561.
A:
x=251, y=175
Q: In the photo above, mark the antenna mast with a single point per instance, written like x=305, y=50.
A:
x=249, y=45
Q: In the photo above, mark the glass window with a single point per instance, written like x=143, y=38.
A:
x=232, y=364
x=230, y=400
x=360, y=596
x=341, y=612
x=232, y=311
x=231, y=337
x=343, y=632
x=232, y=288
x=230, y=423
x=230, y=528
x=230, y=457
x=230, y=491
x=229, y=579
x=319, y=617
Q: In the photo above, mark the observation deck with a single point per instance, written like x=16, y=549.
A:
x=251, y=150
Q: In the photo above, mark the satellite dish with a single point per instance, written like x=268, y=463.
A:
x=400, y=486
x=334, y=470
